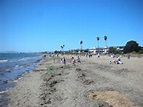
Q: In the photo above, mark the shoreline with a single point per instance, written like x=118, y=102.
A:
x=89, y=83
x=15, y=76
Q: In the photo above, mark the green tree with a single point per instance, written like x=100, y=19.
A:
x=112, y=50
x=141, y=50
x=56, y=52
x=105, y=38
x=86, y=50
x=131, y=46
x=61, y=48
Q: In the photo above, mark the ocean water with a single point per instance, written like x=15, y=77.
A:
x=12, y=67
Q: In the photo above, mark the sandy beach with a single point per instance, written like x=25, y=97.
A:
x=92, y=83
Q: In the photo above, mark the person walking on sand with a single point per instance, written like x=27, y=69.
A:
x=64, y=60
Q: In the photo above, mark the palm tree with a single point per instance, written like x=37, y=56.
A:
x=98, y=41
x=105, y=38
x=81, y=42
x=62, y=48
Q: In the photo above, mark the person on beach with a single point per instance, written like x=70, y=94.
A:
x=53, y=57
x=44, y=56
x=90, y=55
x=118, y=61
x=78, y=59
x=57, y=55
x=113, y=61
x=73, y=60
x=86, y=54
x=98, y=55
x=129, y=56
x=61, y=60
x=64, y=60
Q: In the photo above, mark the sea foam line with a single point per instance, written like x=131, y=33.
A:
x=2, y=61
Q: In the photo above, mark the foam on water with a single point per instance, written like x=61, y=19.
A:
x=3, y=61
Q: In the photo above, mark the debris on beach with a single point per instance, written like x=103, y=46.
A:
x=48, y=88
x=82, y=76
x=113, y=98
x=88, y=81
x=78, y=69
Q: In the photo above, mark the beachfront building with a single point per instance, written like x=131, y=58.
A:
x=120, y=48
x=100, y=50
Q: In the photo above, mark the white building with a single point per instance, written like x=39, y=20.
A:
x=95, y=50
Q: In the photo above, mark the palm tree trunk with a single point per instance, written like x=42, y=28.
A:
x=81, y=47
x=98, y=44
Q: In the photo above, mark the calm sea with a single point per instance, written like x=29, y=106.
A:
x=12, y=67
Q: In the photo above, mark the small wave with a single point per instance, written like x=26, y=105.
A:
x=27, y=58
x=17, y=67
x=3, y=61
x=24, y=59
x=1, y=92
x=21, y=66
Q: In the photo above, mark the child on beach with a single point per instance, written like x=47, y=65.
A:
x=73, y=60
x=78, y=59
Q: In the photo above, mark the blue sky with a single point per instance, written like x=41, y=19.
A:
x=45, y=25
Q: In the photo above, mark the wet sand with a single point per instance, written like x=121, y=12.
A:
x=92, y=83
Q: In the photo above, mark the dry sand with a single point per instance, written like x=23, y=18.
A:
x=92, y=83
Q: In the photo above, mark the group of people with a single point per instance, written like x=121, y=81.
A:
x=73, y=60
x=90, y=55
x=63, y=60
x=117, y=61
